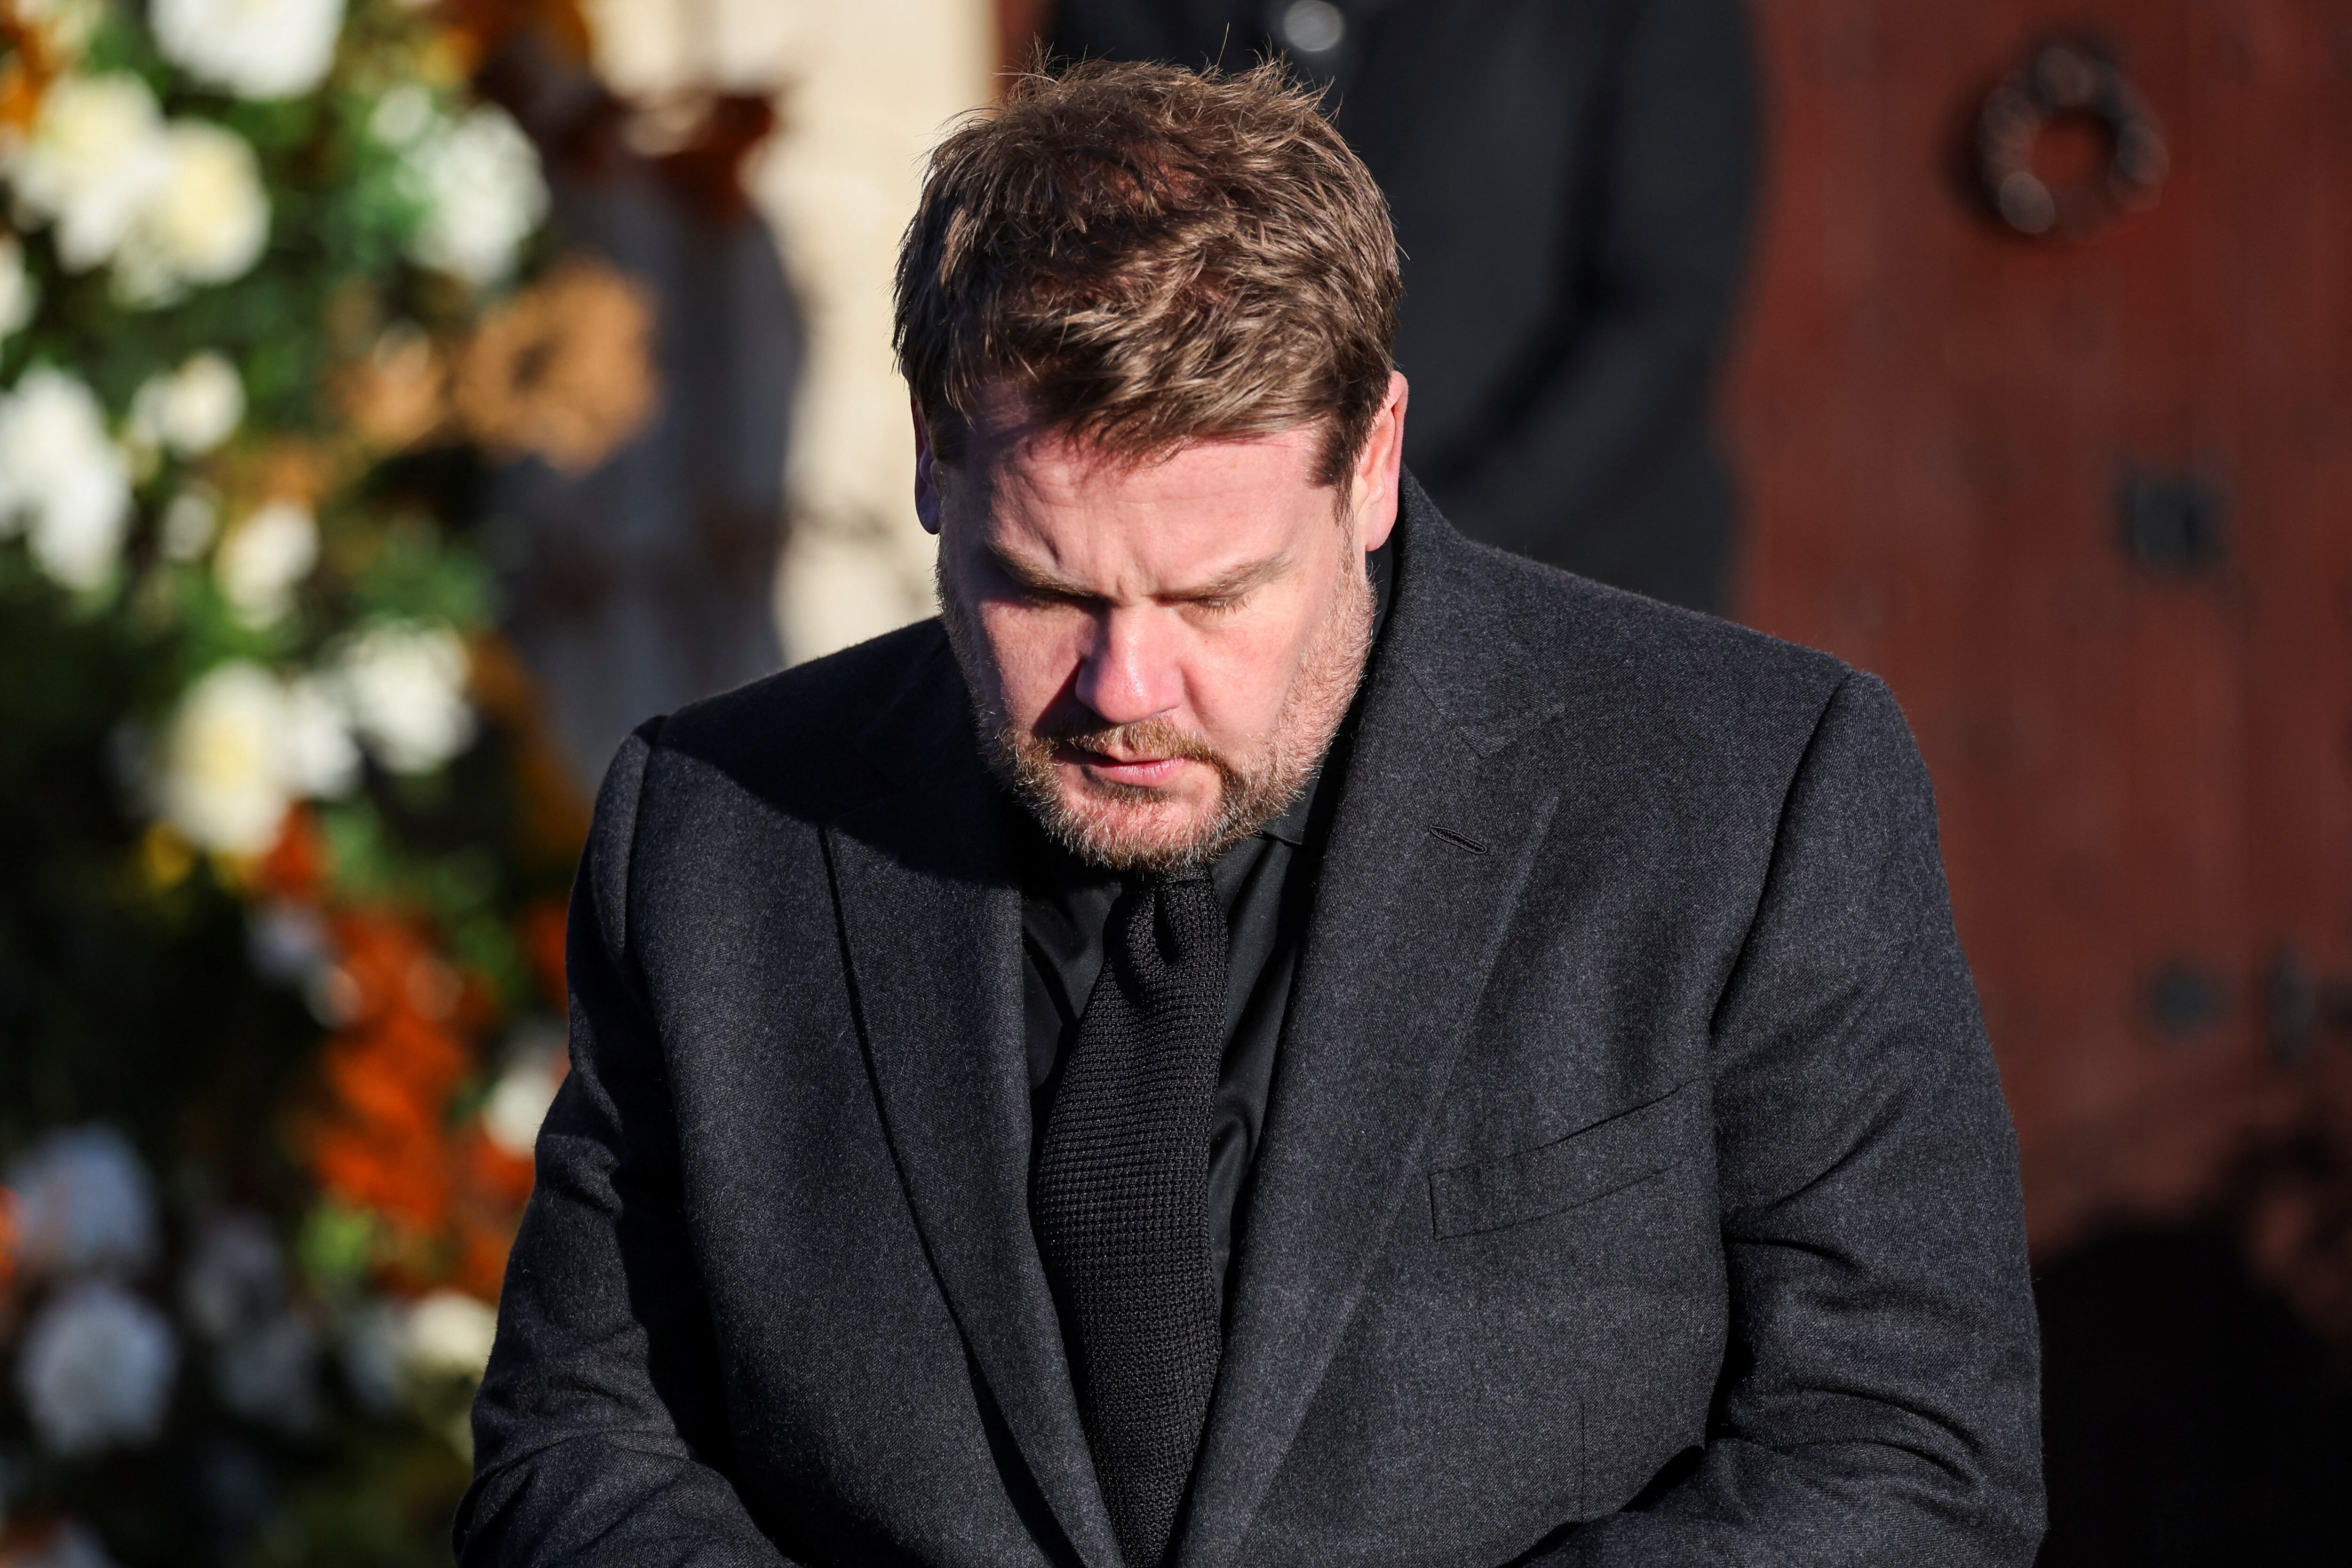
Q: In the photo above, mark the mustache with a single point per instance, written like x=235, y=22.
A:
x=1142, y=738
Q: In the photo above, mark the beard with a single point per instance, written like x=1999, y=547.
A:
x=1137, y=829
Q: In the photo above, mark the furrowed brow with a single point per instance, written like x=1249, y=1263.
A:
x=1236, y=582
x=1034, y=578
x=1039, y=579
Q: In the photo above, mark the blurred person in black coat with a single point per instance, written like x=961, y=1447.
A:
x=1570, y=181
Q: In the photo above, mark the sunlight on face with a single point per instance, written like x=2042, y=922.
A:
x=1161, y=651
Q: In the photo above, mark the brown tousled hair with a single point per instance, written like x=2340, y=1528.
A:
x=1147, y=257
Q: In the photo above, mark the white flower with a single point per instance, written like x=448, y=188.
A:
x=447, y=1334
x=264, y=558
x=405, y=690
x=402, y=116
x=255, y=48
x=243, y=746
x=205, y=222
x=190, y=410
x=61, y=479
x=316, y=753
x=480, y=180
x=19, y=295
x=221, y=781
x=64, y=26
x=84, y=1205
x=170, y=205
x=94, y=159
x=96, y=1370
x=518, y=1101
x=189, y=523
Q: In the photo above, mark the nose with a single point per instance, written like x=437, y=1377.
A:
x=1129, y=671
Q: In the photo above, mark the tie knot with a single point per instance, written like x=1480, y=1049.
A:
x=1189, y=918
x=1171, y=930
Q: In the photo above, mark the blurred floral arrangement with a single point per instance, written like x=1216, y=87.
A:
x=280, y=938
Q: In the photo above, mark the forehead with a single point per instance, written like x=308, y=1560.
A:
x=1205, y=507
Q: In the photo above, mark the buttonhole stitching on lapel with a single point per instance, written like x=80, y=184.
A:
x=1459, y=841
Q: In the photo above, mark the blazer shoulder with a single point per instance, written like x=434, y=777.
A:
x=801, y=735
x=1666, y=714
x=1579, y=649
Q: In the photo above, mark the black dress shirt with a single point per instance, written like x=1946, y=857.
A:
x=1265, y=885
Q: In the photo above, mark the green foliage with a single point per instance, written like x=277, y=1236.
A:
x=406, y=570
x=135, y=984
x=382, y=1502
x=119, y=997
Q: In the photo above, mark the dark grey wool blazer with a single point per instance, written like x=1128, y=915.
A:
x=1637, y=1189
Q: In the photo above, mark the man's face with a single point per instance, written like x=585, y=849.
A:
x=1162, y=650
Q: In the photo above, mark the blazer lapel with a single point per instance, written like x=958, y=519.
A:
x=1430, y=847
x=932, y=919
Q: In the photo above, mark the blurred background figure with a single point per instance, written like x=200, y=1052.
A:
x=1570, y=185
x=644, y=581
x=699, y=137
x=873, y=85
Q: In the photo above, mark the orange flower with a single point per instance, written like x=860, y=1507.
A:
x=543, y=926
x=399, y=393
x=480, y=28
x=379, y=1129
x=396, y=1074
x=296, y=866
x=389, y=1074
x=493, y=1188
x=28, y=65
x=400, y=1179
x=381, y=1136
x=563, y=371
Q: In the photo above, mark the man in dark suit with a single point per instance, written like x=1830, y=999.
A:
x=1571, y=184
x=1269, y=1033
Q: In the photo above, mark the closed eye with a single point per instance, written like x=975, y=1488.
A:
x=1032, y=593
x=1227, y=593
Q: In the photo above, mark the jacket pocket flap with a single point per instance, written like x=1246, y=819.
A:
x=1607, y=1156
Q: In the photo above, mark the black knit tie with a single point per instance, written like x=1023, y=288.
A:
x=1122, y=1203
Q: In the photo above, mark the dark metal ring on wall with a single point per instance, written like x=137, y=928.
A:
x=2067, y=79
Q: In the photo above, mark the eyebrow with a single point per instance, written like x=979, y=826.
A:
x=1040, y=581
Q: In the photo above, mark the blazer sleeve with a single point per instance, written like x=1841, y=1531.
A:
x=1677, y=151
x=599, y=1434
x=1879, y=1399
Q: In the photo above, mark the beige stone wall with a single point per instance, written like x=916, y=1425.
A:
x=865, y=88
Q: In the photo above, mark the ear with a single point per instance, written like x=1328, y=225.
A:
x=926, y=472
x=1379, y=467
